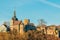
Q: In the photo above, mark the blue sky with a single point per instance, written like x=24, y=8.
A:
x=49, y=10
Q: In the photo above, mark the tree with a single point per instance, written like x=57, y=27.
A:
x=41, y=22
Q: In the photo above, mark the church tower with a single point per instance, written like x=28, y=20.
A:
x=16, y=24
x=14, y=18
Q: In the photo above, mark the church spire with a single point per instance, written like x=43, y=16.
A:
x=14, y=16
x=14, y=13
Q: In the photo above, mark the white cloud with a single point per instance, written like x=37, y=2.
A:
x=50, y=3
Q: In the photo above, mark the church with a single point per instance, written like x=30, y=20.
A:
x=20, y=26
x=16, y=24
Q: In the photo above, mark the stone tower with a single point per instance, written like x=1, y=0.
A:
x=14, y=18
